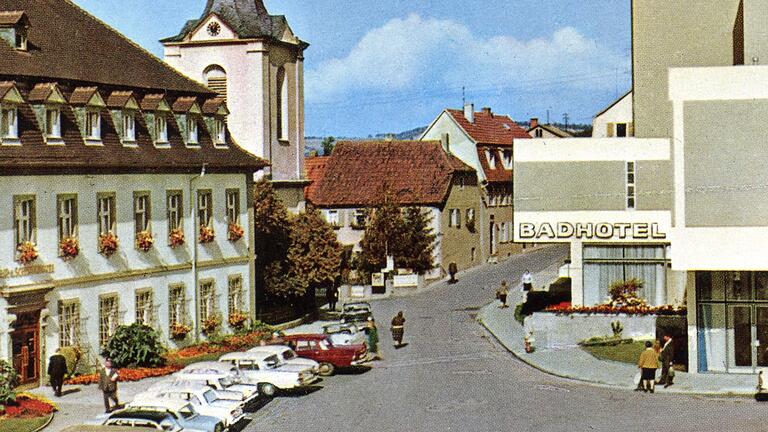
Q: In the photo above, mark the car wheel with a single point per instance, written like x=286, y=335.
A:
x=267, y=389
x=326, y=369
x=219, y=428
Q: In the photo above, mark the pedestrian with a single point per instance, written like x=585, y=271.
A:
x=332, y=295
x=527, y=281
x=398, y=329
x=373, y=337
x=57, y=369
x=108, y=385
x=667, y=357
x=648, y=363
x=502, y=293
x=452, y=270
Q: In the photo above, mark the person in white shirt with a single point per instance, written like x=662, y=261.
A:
x=527, y=281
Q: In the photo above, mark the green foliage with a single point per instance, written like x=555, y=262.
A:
x=625, y=352
x=272, y=226
x=625, y=292
x=135, y=345
x=384, y=233
x=315, y=254
x=259, y=326
x=9, y=379
x=416, y=251
x=281, y=281
x=519, y=317
x=72, y=355
x=617, y=327
x=328, y=144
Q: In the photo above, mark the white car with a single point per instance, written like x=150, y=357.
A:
x=183, y=411
x=203, y=398
x=268, y=372
x=286, y=355
x=224, y=378
x=345, y=334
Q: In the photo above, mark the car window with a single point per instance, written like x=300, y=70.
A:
x=249, y=365
x=289, y=355
x=210, y=396
x=324, y=345
x=304, y=345
x=272, y=361
x=226, y=382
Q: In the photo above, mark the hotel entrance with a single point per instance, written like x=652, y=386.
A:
x=732, y=321
x=25, y=342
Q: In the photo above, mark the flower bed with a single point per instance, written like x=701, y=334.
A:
x=566, y=308
x=128, y=374
x=28, y=406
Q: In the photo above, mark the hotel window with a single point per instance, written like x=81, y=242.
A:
x=332, y=216
x=360, y=217
x=603, y=265
x=10, y=123
x=21, y=39
x=455, y=218
x=161, y=129
x=207, y=300
x=631, y=191
x=144, y=307
x=220, y=132
x=141, y=211
x=69, y=323
x=108, y=318
x=67, y=216
x=191, y=130
x=233, y=206
x=129, y=126
x=93, y=125
x=177, y=305
x=205, y=208
x=53, y=123
x=25, y=219
x=235, y=298
x=175, y=210
x=106, y=213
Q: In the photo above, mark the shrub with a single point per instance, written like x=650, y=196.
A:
x=72, y=355
x=135, y=345
x=626, y=292
x=9, y=379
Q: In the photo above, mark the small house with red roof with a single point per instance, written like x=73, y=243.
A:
x=485, y=141
x=358, y=176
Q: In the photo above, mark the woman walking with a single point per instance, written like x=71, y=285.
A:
x=398, y=328
x=648, y=363
x=373, y=338
x=502, y=293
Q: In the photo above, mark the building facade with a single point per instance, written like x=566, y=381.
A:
x=125, y=196
x=699, y=94
x=254, y=61
x=485, y=141
x=541, y=130
x=615, y=121
x=351, y=183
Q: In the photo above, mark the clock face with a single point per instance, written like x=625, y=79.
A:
x=214, y=28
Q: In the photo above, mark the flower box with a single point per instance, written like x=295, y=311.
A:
x=237, y=320
x=69, y=248
x=144, y=241
x=235, y=232
x=180, y=331
x=108, y=244
x=206, y=234
x=176, y=238
x=27, y=252
x=211, y=324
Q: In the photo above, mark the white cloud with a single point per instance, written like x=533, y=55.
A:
x=424, y=54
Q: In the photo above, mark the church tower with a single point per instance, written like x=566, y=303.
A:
x=254, y=60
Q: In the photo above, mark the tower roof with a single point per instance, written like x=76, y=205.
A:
x=247, y=18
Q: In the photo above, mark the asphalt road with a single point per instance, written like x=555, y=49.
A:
x=453, y=376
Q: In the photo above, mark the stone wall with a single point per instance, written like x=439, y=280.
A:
x=557, y=331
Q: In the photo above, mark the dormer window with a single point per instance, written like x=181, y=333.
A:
x=53, y=122
x=129, y=126
x=192, y=132
x=21, y=39
x=491, y=156
x=220, y=132
x=507, y=154
x=161, y=129
x=13, y=29
x=10, y=123
x=93, y=125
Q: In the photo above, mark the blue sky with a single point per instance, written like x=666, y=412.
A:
x=389, y=65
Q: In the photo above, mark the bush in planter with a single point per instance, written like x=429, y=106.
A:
x=72, y=355
x=9, y=379
x=135, y=345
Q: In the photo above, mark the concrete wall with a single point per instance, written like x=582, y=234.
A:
x=620, y=112
x=655, y=185
x=556, y=331
x=673, y=33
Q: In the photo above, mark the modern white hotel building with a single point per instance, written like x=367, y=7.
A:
x=683, y=205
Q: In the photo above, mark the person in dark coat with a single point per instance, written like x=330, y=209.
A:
x=57, y=369
x=398, y=329
x=667, y=358
x=452, y=270
x=332, y=296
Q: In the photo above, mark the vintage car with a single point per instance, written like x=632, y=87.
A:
x=113, y=428
x=320, y=348
x=345, y=333
x=356, y=312
x=151, y=419
x=204, y=399
x=220, y=377
x=287, y=356
x=183, y=411
x=268, y=372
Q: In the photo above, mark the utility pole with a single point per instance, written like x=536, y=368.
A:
x=547, y=116
x=565, y=119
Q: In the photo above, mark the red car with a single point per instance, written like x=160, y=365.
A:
x=319, y=348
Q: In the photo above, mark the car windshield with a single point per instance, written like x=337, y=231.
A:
x=226, y=382
x=272, y=361
x=289, y=354
x=210, y=396
x=187, y=412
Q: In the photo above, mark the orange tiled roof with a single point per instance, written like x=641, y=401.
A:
x=490, y=128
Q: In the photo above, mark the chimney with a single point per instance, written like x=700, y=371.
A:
x=469, y=112
x=487, y=110
x=534, y=122
x=445, y=140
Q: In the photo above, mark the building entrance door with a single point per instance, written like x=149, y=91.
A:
x=748, y=337
x=25, y=341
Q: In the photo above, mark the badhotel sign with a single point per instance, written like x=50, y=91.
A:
x=567, y=230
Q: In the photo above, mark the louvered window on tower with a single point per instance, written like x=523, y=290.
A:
x=216, y=80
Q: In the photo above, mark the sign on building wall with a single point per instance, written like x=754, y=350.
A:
x=590, y=231
x=377, y=279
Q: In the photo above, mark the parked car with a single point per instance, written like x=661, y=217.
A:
x=345, y=333
x=152, y=419
x=102, y=428
x=287, y=355
x=183, y=411
x=268, y=372
x=320, y=348
x=204, y=399
x=356, y=312
x=220, y=376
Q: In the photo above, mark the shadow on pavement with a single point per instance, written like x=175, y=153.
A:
x=354, y=370
x=300, y=391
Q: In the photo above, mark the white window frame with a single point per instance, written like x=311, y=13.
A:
x=109, y=315
x=332, y=217
x=233, y=206
x=236, y=294
x=491, y=157
x=24, y=219
x=161, y=129
x=631, y=185
x=10, y=122
x=142, y=212
x=220, y=132
x=207, y=299
x=22, y=39
x=175, y=210
x=106, y=212
x=205, y=208
x=67, y=216
x=69, y=327
x=93, y=125
x=359, y=216
x=53, y=122
x=507, y=159
x=454, y=218
x=145, y=304
x=177, y=305
x=193, y=133
x=129, y=126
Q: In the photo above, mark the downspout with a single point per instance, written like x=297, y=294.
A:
x=193, y=217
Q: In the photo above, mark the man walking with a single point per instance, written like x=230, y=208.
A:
x=502, y=293
x=332, y=295
x=667, y=357
x=57, y=369
x=398, y=329
x=108, y=385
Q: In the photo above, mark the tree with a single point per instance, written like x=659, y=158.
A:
x=419, y=242
x=271, y=231
x=315, y=253
x=328, y=144
x=384, y=234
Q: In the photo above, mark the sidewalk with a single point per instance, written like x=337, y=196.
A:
x=577, y=364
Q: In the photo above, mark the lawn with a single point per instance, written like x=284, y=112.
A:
x=23, y=425
x=625, y=353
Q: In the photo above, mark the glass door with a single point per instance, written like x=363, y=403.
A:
x=740, y=337
x=761, y=330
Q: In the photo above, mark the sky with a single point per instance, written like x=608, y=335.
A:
x=380, y=66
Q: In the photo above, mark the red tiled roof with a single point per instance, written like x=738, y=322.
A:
x=184, y=104
x=82, y=95
x=118, y=99
x=11, y=17
x=315, y=168
x=41, y=92
x=151, y=102
x=489, y=128
x=360, y=173
x=498, y=174
x=211, y=106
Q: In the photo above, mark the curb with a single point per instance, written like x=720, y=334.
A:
x=48, y=423
x=291, y=324
x=598, y=383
